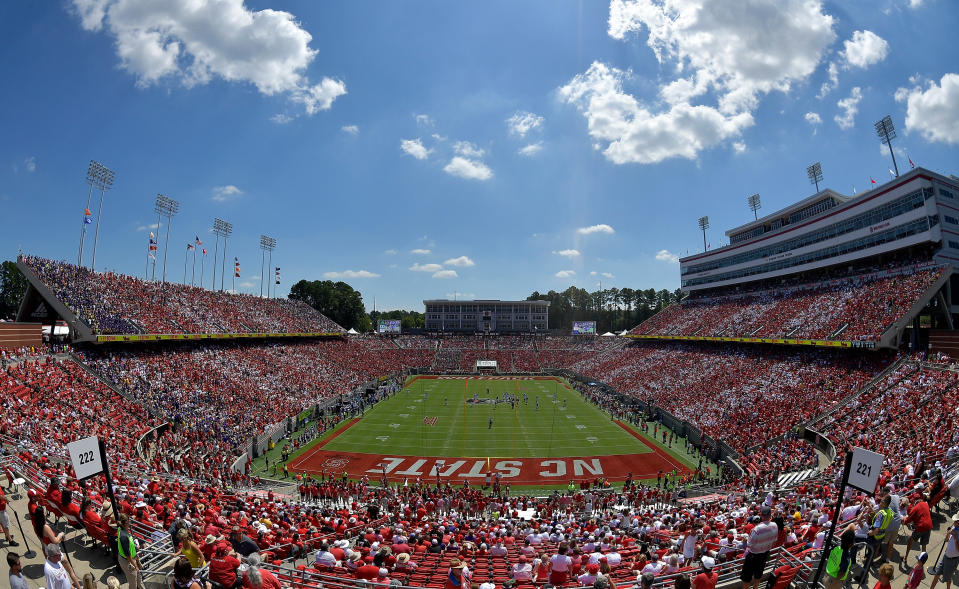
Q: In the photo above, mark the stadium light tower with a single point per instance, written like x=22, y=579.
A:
x=222, y=229
x=98, y=176
x=704, y=225
x=165, y=207
x=266, y=245
x=754, y=204
x=886, y=132
x=814, y=172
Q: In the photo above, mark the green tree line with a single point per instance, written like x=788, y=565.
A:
x=613, y=309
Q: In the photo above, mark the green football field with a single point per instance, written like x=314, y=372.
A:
x=451, y=418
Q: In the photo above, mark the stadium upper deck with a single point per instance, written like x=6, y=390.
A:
x=919, y=211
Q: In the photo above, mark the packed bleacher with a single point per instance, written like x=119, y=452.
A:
x=742, y=395
x=343, y=528
x=178, y=487
x=856, y=307
x=111, y=303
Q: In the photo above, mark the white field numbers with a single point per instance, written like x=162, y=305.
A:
x=865, y=469
x=85, y=456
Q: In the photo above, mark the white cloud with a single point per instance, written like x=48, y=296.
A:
x=195, y=41
x=523, y=122
x=468, y=168
x=864, y=49
x=570, y=253
x=733, y=51
x=933, y=112
x=350, y=274
x=849, y=106
x=739, y=146
x=667, y=256
x=467, y=149
x=247, y=284
x=415, y=148
x=607, y=275
x=462, y=295
x=417, y=267
x=630, y=133
x=460, y=262
x=420, y=252
x=565, y=274
x=30, y=164
x=151, y=226
x=225, y=193
x=601, y=228
x=390, y=252
x=351, y=129
x=829, y=86
x=445, y=274
x=915, y=3
x=424, y=120
x=813, y=118
x=281, y=119
x=531, y=149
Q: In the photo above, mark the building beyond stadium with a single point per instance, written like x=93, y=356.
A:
x=918, y=211
x=487, y=316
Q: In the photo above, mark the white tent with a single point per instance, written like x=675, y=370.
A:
x=625, y=331
x=609, y=334
x=352, y=332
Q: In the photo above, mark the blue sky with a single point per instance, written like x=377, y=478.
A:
x=486, y=149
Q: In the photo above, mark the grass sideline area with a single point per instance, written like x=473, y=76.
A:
x=450, y=418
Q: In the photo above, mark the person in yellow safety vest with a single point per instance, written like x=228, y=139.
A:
x=840, y=560
x=880, y=524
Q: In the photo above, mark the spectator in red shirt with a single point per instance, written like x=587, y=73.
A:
x=921, y=521
x=223, y=567
x=707, y=578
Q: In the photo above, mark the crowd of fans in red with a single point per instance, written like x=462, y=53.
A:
x=861, y=306
x=111, y=303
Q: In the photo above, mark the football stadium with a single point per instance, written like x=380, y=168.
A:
x=787, y=415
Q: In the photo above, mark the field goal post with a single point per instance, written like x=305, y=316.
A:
x=486, y=367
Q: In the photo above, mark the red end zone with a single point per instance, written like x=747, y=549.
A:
x=516, y=471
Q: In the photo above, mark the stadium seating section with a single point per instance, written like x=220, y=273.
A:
x=118, y=304
x=858, y=307
x=176, y=417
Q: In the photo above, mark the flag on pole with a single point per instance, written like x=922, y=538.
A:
x=891, y=173
x=151, y=236
x=204, y=251
x=152, y=257
x=86, y=212
x=873, y=180
x=236, y=267
x=911, y=165
x=190, y=246
x=198, y=242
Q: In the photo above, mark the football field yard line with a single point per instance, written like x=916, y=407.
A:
x=461, y=429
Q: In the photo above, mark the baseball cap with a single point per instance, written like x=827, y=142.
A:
x=592, y=568
x=923, y=557
x=708, y=562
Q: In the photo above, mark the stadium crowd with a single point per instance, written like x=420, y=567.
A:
x=857, y=307
x=111, y=303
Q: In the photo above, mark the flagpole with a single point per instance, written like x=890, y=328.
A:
x=154, y=276
x=268, y=283
x=193, y=277
x=202, y=262
x=186, y=254
x=83, y=226
x=215, y=248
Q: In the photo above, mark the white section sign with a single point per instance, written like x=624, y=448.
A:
x=85, y=456
x=865, y=468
